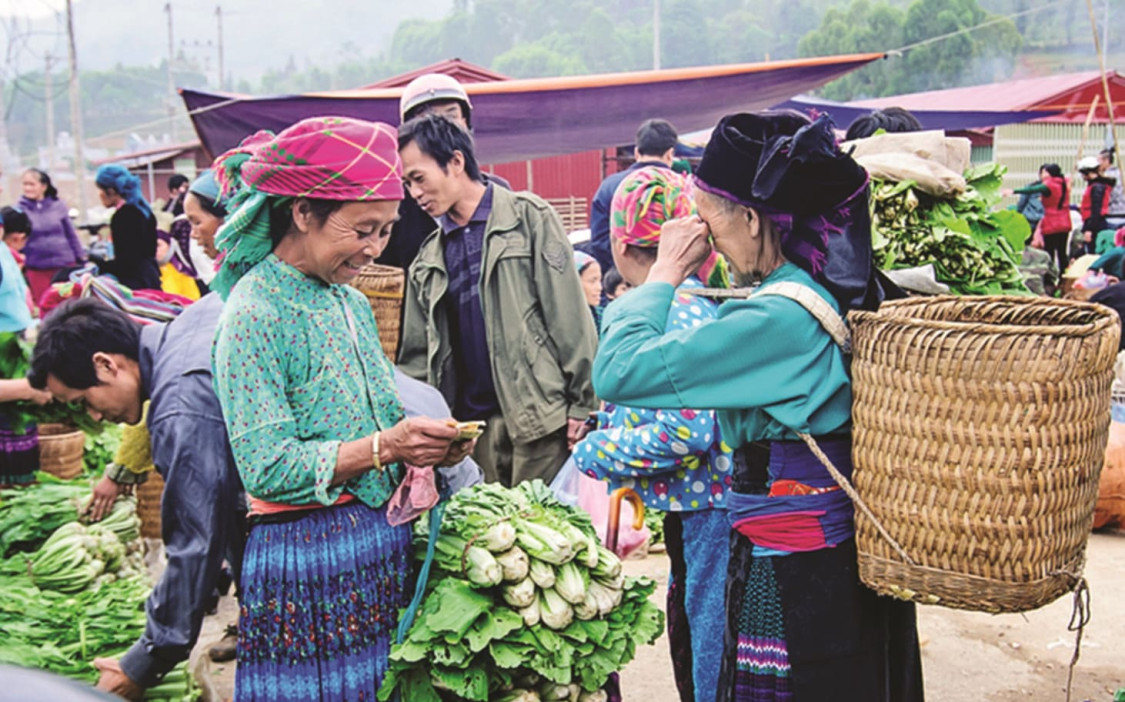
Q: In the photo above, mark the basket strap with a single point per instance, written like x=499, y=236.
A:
x=847, y=487
x=817, y=306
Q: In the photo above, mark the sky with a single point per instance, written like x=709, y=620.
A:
x=258, y=34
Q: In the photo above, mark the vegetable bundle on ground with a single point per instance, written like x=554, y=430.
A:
x=28, y=515
x=63, y=633
x=974, y=250
x=525, y=604
x=77, y=556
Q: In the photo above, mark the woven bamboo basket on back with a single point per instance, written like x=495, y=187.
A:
x=980, y=426
x=384, y=287
x=60, y=450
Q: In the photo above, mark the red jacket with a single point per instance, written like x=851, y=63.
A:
x=1095, y=205
x=1056, y=207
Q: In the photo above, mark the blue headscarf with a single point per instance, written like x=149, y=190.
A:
x=127, y=185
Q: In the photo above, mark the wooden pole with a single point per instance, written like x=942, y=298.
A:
x=1105, y=83
x=76, y=116
x=1086, y=127
x=49, y=99
x=222, y=68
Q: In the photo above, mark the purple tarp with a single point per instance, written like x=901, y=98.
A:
x=844, y=114
x=525, y=119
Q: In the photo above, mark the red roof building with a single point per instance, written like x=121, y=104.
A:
x=1062, y=138
x=1072, y=93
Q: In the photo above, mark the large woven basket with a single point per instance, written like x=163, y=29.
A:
x=60, y=450
x=980, y=426
x=148, y=505
x=384, y=287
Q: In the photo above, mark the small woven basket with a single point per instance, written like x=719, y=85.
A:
x=980, y=426
x=384, y=287
x=148, y=505
x=60, y=450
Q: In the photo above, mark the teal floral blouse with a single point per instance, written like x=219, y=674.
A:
x=299, y=370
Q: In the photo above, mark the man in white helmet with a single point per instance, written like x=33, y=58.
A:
x=431, y=93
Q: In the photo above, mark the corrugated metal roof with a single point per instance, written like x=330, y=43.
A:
x=463, y=71
x=1071, y=93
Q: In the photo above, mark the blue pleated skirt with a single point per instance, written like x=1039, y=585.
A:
x=319, y=605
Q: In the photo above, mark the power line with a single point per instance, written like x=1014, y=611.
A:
x=982, y=25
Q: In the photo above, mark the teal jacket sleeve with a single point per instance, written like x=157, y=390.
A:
x=765, y=353
x=1033, y=189
x=275, y=464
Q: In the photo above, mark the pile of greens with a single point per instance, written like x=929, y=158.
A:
x=64, y=633
x=75, y=557
x=525, y=604
x=28, y=515
x=72, y=592
x=975, y=249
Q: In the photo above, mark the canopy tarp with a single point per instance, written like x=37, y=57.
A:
x=515, y=120
x=843, y=114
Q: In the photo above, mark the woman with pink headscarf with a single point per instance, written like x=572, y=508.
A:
x=315, y=423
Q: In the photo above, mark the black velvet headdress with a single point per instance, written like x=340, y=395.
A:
x=791, y=170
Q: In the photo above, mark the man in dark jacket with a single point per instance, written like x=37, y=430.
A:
x=656, y=143
x=90, y=353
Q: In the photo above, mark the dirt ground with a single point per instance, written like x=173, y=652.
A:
x=966, y=657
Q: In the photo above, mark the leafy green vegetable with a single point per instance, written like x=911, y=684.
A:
x=480, y=642
x=100, y=447
x=28, y=515
x=974, y=250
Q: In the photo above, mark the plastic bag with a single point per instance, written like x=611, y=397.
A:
x=1110, y=509
x=576, y=489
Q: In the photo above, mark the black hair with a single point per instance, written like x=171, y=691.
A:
x=16, y=221
x=176, y=180
x=72, y=334
x=647, y=253
x=1108, y=154
x=281, y=214
x=890, y=119
x=655, y=137
x=421, y=108
x=611, y=280
x=439, y=138
x=1055, y=171
x=209, y=206
x=52, y=192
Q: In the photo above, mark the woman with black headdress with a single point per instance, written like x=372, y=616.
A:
x=789, y=211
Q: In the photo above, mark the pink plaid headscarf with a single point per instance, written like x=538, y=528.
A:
x=647, y=198
x=326, y=158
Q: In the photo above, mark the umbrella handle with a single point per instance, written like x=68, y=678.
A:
x=614, y=525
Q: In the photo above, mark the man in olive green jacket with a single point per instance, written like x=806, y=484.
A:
x=495, y=316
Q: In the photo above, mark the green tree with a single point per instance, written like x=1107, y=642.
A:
x=534, y=61
x=978, y=56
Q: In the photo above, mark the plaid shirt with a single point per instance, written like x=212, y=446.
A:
x=475, y=397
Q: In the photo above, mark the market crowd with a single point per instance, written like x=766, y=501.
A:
x=225, y=327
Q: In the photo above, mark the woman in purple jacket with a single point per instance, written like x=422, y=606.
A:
x=53, y=243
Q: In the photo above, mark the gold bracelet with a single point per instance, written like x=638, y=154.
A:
x=375, y=451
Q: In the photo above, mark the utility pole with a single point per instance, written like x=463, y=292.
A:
x=49, y=94
x=171, y=77
x=222, y=70
x=76, y=116
x=655, y=35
